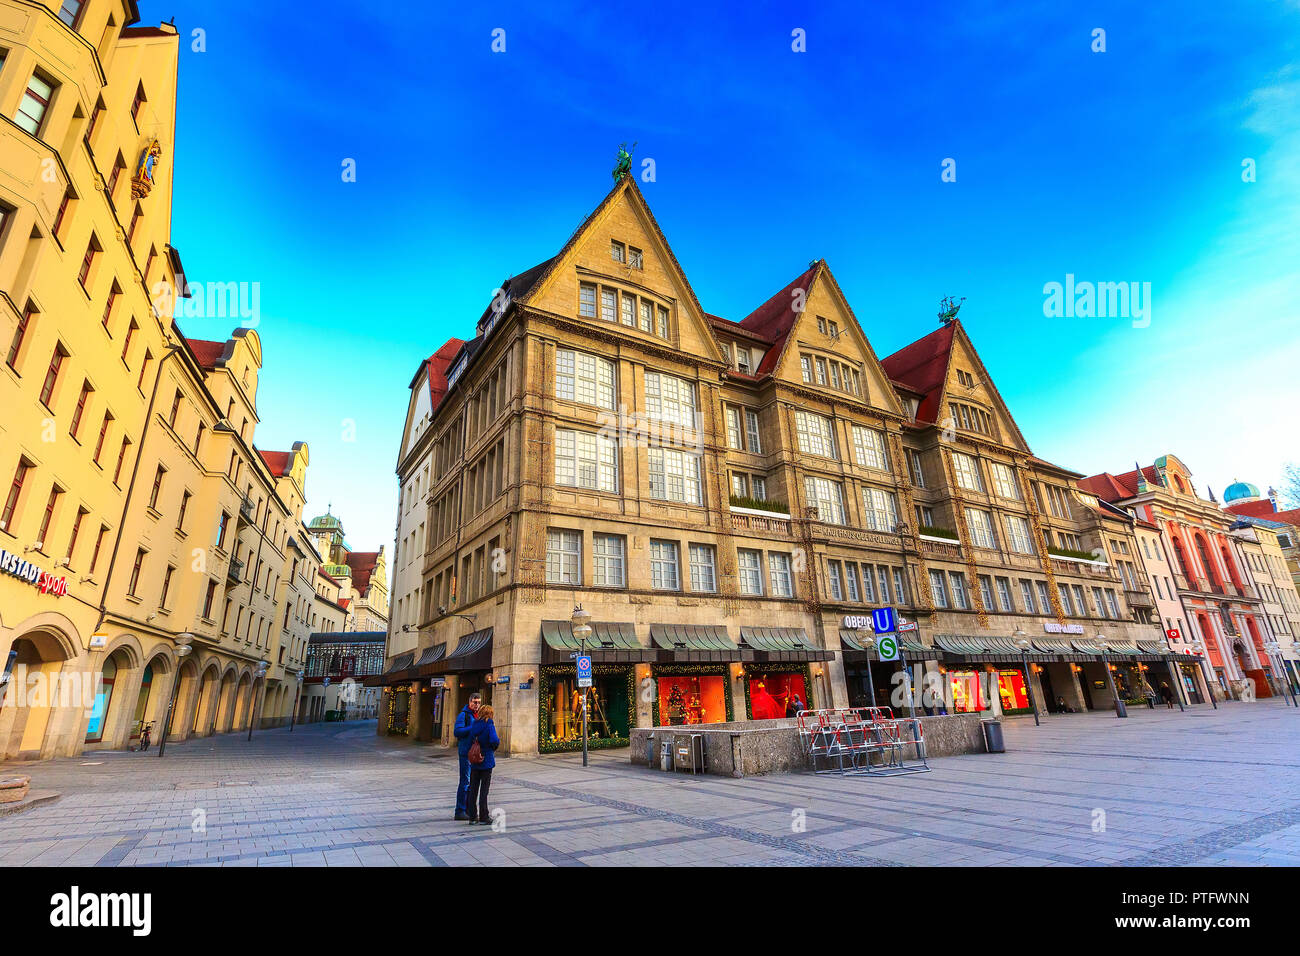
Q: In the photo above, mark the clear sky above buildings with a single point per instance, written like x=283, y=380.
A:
x=1116, y=166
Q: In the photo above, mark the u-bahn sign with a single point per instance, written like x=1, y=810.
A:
x=22, y=569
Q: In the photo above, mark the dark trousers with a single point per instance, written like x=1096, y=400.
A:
x=479, y=782
x=462, y=788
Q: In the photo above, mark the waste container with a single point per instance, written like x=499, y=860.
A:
x=1121, y=708
x=993, y=742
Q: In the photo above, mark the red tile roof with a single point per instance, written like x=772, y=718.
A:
x=277, y=461
x=774, y=318
x=362, y=564
x=439, y=362
x=1264, y=509
x=207, y=353
x=1110, y=487
x=922, y=367
x=330, y=578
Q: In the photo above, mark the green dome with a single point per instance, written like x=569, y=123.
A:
x=1240, y=490
x=324, y=522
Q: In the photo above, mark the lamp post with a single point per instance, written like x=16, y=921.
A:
x=1199, y=648
x=1022, y=642
x=260, y=674
x=1103, y=645
x=183, y=650
x=581, y=623
x=293, y=717
x=868, y=641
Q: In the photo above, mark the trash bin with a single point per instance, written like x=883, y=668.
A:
x=1121, y=708
x=650, y=751
x=993, y=742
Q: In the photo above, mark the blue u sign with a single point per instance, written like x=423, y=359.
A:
x=882, y=619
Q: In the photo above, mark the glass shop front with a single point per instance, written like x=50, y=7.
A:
x=968, y=687
x=771, y=690
x=611, y=706
x=691, y=694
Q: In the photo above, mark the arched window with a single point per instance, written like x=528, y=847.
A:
x=1211, y=571
x=1230, y=565
x=1182, y=560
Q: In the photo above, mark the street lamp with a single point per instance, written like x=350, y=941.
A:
x=581, y=624
x=1104, y=646
x=1199, y=648
x=293, y=717
x=183, y=650
x=868, y=641
x=1022, y=642
x=259, y=674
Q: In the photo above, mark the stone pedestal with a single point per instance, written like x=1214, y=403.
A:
x=14, y=788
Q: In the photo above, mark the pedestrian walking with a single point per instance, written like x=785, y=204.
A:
x=482, y=758
x=464, y=720
x=1167, y=694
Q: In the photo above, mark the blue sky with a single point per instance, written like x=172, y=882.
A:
x=1122, y=166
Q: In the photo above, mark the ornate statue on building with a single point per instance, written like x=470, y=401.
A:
x=143, y=179
x=624, y=162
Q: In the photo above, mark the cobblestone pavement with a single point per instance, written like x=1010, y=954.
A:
x=1201, y=787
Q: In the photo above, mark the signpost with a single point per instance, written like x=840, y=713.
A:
x=584, y=671
x=887, y=647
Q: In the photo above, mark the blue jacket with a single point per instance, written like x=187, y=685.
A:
x=461, y=730
x=485, y=732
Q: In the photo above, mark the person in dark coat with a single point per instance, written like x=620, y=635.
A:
x=1167, y=694
x=464, y=720
x=480, y=774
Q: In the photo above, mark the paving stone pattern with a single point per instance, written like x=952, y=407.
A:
x=1161, y=788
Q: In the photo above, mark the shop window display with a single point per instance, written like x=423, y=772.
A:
x=967, y=691
x=684, y=696
x=772, y=694
x=1011, y=688
x=610, y=700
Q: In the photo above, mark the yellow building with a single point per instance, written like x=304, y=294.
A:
x=361, y=576
x=728, y=499
x=137, y=516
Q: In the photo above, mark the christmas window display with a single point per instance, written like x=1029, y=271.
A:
x=967, y=693
x=690, y=693
x=610, y=703
x=1012, y=690
x=399, y=705
x=770, y=690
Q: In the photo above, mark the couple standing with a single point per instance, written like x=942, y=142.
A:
x=474, y=726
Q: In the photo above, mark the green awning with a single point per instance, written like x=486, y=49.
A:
x=913, y=648
x=783, y=643
x=697, y=642
x=610, y=641
x=1154, y=647
x=962, y=645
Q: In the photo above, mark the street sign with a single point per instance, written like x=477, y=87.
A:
x=908, y=626
x=887, y=648
x=584, y=671
x=1172, y=634
x=882, y=619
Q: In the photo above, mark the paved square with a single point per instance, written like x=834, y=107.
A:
x=1171, y=788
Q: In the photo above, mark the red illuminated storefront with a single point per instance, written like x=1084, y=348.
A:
x=967, y=687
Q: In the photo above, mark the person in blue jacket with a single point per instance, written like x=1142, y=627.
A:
x=461, y=730
x=480, y=774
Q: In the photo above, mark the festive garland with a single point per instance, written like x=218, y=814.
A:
x=548, y=675
x=684, y=670
x=758, y=670
x=392, y=711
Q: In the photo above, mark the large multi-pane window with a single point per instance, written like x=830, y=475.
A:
x=778, y=567
x=675, y=476
x=833, y=579
x=703, y=568
x=980, y=525
x=1004, y=481
x=814, y=434
x=958, y=582
x=608, y=562
x=1111, y=604
x=670, y=399
x=35, y=102
x=563, y=557
x=663, y=566
x=580, y=377
x=733, y=429
x=1004, y=595
x=587, y=300
x=585, y=460
x=827, y=497
x=1027, y=593
x=608, y=300
x=986, y=592
x=1018, y=537
x=749, y=565
x=880, y=509
x=1067, y=603
x=938, y=590
x=967, y=470
x=1044, y=597
x=751, y=431
x=869, y=447
x=851, y=579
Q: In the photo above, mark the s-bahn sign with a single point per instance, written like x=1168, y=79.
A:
x=18, y=567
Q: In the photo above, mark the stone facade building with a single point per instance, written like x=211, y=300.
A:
x=1223, y=606
x=725, y=498
x=361, y=576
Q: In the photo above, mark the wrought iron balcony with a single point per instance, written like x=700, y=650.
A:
x=235, y=570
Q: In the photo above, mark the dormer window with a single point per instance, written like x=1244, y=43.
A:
x=742, y=360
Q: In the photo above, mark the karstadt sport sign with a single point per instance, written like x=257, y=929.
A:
x=24, y=570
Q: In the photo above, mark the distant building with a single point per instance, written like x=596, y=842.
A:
x=337, y=665
x=362, y=576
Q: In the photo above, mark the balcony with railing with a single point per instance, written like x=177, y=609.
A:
x=235, y=570
x=246, y=509
x=1138, y=599
x=761, y=524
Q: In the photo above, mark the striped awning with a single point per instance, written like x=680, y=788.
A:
x=962, y=645
x=1154, y=647
x=431, y=654
x=782, y=644
x=473, y=653
x=610, y=642
x=697, y=642
x=1046, y=645
x=913, y=648
x=399, y=671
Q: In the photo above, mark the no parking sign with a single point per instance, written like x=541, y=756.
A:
x=584, y=671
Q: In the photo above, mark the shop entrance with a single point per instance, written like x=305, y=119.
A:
x=1051, y=702
x=610, y=707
